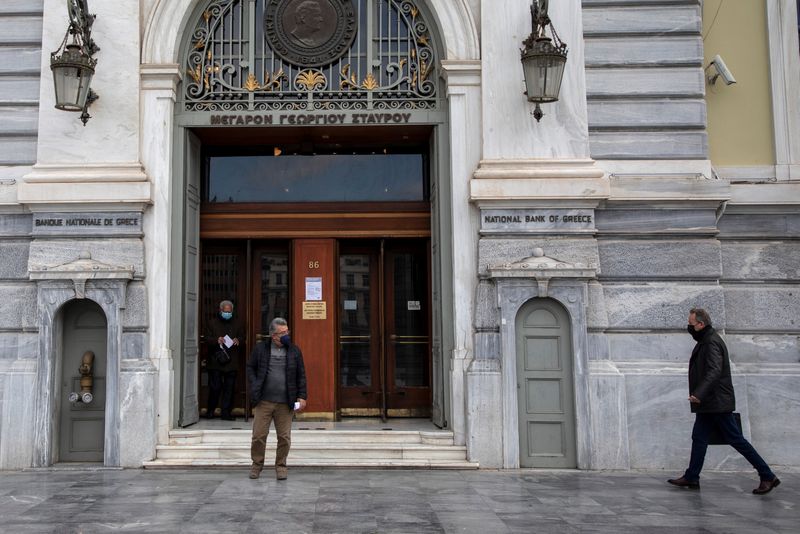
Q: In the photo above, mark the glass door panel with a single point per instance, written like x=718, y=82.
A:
x=408, y=329
x=359, y=347
x=273, y=284
x=384, y=329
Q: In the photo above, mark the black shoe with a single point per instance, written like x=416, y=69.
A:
x=207, y=416
x=683, y=483
x=766, y=486
x=228, y=418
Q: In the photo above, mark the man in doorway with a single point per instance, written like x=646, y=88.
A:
x=224, y=334
x=277, y=378
x=712, y=399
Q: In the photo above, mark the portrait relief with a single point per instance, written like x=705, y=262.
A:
x=310, y=32
x=309, y=23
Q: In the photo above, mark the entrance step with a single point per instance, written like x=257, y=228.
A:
x=317, y=448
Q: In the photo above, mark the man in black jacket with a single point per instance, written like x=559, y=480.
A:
x=712, y=399
x=222, y=361
x=277, y=378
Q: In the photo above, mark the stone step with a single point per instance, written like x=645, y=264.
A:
x=300, y=462
x=426, y=449
x=242, y=437
x=317, y=451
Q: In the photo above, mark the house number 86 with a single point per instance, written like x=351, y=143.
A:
x=313, y=265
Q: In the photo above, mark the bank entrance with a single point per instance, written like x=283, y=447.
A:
x=330, y=230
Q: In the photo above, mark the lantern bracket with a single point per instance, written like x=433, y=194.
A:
x=78, y=53
x=539, y=45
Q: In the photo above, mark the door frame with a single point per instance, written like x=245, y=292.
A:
x=567, y=397
x=378, y=251
x=513, y=292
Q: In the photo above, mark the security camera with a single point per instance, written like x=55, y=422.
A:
x=721, y=69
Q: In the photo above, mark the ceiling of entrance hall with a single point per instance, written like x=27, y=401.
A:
x=310, y=55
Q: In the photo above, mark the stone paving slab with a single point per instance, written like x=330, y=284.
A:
x=330, y=501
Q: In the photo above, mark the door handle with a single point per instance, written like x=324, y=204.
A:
x=393, y=337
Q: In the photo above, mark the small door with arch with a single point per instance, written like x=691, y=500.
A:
x=82, y=418
x=546, y=405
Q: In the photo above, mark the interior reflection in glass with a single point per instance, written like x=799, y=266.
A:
x=317, y=178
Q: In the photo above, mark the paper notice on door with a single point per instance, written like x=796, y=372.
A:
x=313, y=288
x=413, y=305
x=315, y=311
x=351, y=305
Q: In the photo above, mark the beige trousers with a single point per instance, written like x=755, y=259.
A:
x=264, y=413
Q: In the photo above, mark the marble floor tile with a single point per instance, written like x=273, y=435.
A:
x=391, y=502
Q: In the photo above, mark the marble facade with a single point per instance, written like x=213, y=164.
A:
x=624, y=148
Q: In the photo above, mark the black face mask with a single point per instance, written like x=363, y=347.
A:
x=697, y=335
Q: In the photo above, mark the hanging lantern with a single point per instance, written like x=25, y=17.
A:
x=73, y=65
x=543, y=60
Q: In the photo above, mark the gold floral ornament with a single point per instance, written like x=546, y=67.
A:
x=270, y=83
x=196, y=74
x=346, y=82
x=369, y=83
x=311, y=80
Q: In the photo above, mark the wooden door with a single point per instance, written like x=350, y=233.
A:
x=545, y=386
x=384, y=329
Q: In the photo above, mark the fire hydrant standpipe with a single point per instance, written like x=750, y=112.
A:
x=87, y=379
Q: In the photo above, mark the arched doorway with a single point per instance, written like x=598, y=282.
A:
x=299, y=167
x=546, y=397
x=82, y=417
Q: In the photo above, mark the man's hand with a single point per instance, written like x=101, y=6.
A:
x=220, y=340
x=236, y=341
x=302, y=405
x=693, y=399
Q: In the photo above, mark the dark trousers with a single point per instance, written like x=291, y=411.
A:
x=726, y=423
x=220, y=384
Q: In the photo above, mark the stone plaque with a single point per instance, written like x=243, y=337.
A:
x=315, y=310
x=536, y=220
x=310, y=33
x=87, y=224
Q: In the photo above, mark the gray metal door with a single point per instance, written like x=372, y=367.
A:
x=82, y=425
x=190, y=412
x=546, y=403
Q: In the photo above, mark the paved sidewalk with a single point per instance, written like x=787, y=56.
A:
x=355, y=500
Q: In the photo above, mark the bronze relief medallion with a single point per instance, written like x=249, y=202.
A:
x=310, y=33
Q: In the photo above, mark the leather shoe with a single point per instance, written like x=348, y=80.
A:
x=228, y=418
x=255, y=471
x=766, y=486
x=683, y=483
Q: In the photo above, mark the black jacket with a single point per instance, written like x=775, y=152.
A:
x=258, y=365
x=216, y=328
x=710, y=375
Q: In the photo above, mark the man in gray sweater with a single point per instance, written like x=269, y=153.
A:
x=277, y=379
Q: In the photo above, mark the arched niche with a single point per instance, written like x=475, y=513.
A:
x=517, y=284
x=106, y=285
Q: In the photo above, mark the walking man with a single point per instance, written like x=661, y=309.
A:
x=277, y=380
x=712, y=399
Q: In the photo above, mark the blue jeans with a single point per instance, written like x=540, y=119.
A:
x=726, y=423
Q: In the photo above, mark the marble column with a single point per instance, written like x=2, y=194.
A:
x=463, y=91
x=158, y=84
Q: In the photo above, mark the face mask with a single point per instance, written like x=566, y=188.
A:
x=697, y=335
x=285, y=340
x=226, y=315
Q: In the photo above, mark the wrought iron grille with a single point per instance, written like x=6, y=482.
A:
x=391, y=65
